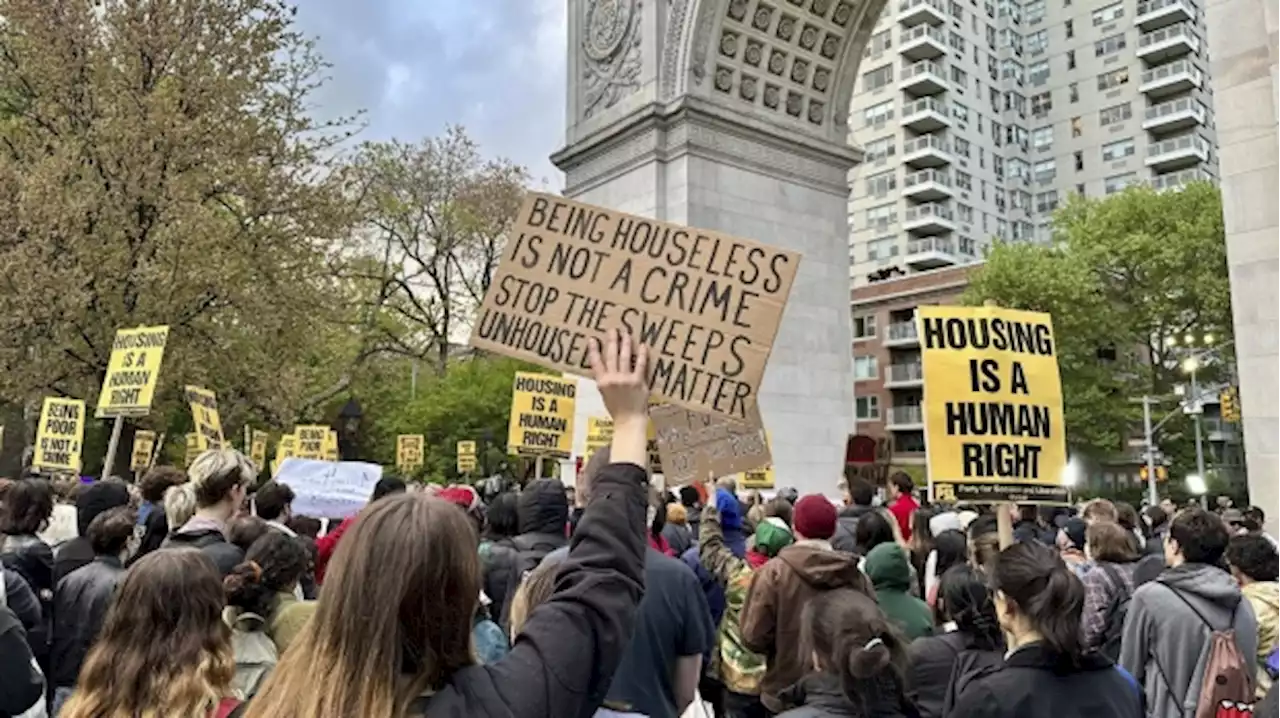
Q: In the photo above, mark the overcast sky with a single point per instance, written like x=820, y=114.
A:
x=493, y=66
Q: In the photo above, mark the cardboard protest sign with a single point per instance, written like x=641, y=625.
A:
x=60, y=436
x=699, y=446
x=992, y=405
x=466, y=457
x=311, y=441
x=707, y=304
x=132, y=372
x=204, y=413
x=144, y=443
x=328, y=489
x=258, y=448
x=409, y=451
x=541, y=415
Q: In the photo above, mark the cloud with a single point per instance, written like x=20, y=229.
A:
x=496, y=67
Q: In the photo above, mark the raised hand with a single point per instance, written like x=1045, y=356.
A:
x=621, y=370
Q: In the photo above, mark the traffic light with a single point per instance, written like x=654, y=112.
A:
x=1162, y=473
x=1229, y=405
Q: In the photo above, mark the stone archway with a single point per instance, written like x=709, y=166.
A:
x=733, y=115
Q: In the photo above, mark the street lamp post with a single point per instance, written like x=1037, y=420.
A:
x=1196, y=407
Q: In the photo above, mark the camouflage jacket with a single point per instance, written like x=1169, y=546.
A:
x=738, y=668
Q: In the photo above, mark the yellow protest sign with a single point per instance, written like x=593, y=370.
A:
x=410, y=449
x=541, y=415
x=60, y=437
x=599, y=435
x=992, y=405
x=466, y=457
x=132, y=372
x=204, y=413
x=762, y=477
x=312, y=440
x=144, y=443
x=331, y=445
x=287, y=447
x=258, y=447
x=193, y=448
x=708, y=304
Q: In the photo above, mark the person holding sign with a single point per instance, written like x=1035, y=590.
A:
x=405, y=585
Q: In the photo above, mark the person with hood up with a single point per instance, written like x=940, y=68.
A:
x=770, y=623
x=1253, y=563
x=543, y=514
x=859, y=497
x=220, y=478
x=93, y=500
x=890, y=573
x=1171, y=620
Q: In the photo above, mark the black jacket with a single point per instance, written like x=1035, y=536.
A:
x=225, y=555
x=821, y=696
x=499, y=561
x=80, y=606
x=20, y=599
x=543, y=514
x=70, y=556
x=20, y=685
x=1036, y=682
x=567, y=652
x=845, y=538
x=31, y=557
x=933, y=659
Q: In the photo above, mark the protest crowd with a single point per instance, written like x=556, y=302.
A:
x=200, y=593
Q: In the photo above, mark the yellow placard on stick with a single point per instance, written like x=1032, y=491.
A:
x=132, y=372
x=699, y=446
x=144, y=443
x=707, y=304
x=60, y=437
x=287, y=447
x=204, y=414
x=410, y=449
x=193, y=448
x=992, y=405
x=600, y=434
x=312, y=441
x=258, y=440
x=541, y=415
x=331, y=445
x=762, y=477
x=466, y=457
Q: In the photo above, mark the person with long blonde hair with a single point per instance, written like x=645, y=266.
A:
x=164, y=650
x=391, y=636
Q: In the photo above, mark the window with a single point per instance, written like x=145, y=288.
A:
x=997, y=133
x=1041, y=103
x=964, y=181
x=877, y=78
x=1073, y=92
x=880, y=149
x=1011, y=69
x=882, y=248
x=1071, y=59
x=1001, y=203
x=959, y=78
x=1114, y=114
x=956, y=10
x=1079, y=158
x=982, y=158
x=1002, y=228
x=1011, y=39
x=964, y=212
x=956, y=41
x=1038, y=72
x=962, y=146
x=878, y=113
x=1070, y=28
x=1018, y=167
x=1033, y=11
x=991, y=37
x=1077, y=127
x=993, y=68
x=880, y=42
x=1107, y=14
x=1046, y=201
x=960, y=112
x=1038, y=42
x=997, y=164
x=1045, y=170
x=995, y=99
x=1109, y=45
x=867, y=407
x=1080, y=189
x=1116, y=183
x=1042, y=138
x=1115, y=78
x=1017, y=135
x=881, y=184
x=865, y=368
x=864, y=327
x=1020, y=199
x=882, y=216
x=1118, y=150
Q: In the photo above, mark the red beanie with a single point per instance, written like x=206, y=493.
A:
x=814, y=517
x=463, y=496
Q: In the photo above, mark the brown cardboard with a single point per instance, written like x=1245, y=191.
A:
x=707, y=304
x=700, y=446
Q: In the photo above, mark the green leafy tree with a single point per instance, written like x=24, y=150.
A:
x=1125, y=278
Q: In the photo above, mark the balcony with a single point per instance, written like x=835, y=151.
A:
x=1171, y=79
x=927, y=219
x=1174, y=115
x=1155, y=14
x=902, y=334
x=915, y=12
x=922, y=42
x=927, y=186
x=931, y=253
x=926, y=151
x=1175, y=180
x=1177, y=153
x=922, y=78
x=925, y=115
x=1167, y=43
x=903, y=376
x=905, y=418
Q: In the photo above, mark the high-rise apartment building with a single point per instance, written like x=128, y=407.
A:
x=978, y=117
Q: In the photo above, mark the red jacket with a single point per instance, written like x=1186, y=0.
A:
x=327, y=544
x=902, y=510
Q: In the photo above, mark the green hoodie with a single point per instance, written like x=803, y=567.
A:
x=890, y=572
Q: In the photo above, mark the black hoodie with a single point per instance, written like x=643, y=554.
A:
x=543, y=514
x=1034, y=681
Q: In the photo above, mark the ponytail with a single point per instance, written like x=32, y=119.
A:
x=965, y=599
x=1046, y=592
x=246, y=591
x=855, y=643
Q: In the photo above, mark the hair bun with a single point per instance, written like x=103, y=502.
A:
x=870, y=659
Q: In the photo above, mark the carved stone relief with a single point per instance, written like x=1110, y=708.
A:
x=611, y=53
